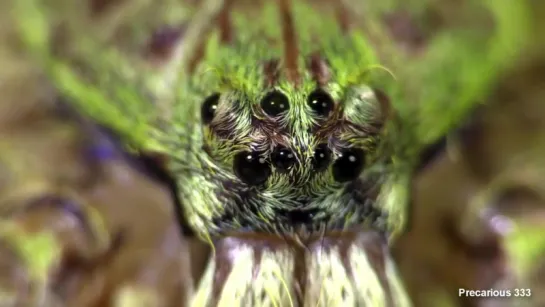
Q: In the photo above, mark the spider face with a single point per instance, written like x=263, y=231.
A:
x=280, y=129
x=295, y=159
x=276, y=142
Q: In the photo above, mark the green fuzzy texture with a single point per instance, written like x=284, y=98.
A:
x=437, y=91
x=431, y=94
x=235, y=71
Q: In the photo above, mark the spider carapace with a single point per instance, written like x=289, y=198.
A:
x=278, y=155
x=281, y=126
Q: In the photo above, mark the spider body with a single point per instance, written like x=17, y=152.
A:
x=276, y=150
x=275, y=146
x=285, y=153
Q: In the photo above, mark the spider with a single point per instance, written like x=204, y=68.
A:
x=291, y=130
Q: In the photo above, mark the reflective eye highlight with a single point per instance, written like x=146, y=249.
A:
x=321, y=157
x=349, y=165
x=283, y=159
x=320, y=102
x=209, y=107
x=251, y=167
x=275, y=103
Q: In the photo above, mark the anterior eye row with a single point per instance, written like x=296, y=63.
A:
x=254, y=167
x=321, y=157
x=251, y=167
x=349, y=164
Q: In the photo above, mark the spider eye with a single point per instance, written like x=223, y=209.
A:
x=320, y=102
x=275, y=103
x=208, y=108
x=251, y=167
x=348, y=165
x=321, y=158
x=283, y=158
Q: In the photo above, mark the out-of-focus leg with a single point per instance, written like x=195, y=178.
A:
x=82, y=224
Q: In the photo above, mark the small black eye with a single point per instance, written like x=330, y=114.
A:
x=251, y=168
x=283, y=158
x=208, y=108
x=275, y=103
x=321, y=102
x=349, y=165
x=321, y=158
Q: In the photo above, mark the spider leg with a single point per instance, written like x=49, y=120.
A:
x=81, y=224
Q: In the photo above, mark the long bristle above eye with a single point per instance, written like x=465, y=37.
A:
x=291, y=49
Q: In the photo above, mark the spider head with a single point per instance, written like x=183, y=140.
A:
x=293, y=156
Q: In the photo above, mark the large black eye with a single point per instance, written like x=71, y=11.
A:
x=321, y=158
x=321, y=103
x=208, y=108
x=275, y=103
x=349, y=165
x=251, y=168
x=283, y=158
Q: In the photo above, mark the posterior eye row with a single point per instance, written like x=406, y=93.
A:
x=321, y=103
x=275, y=104
x=209, y=107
